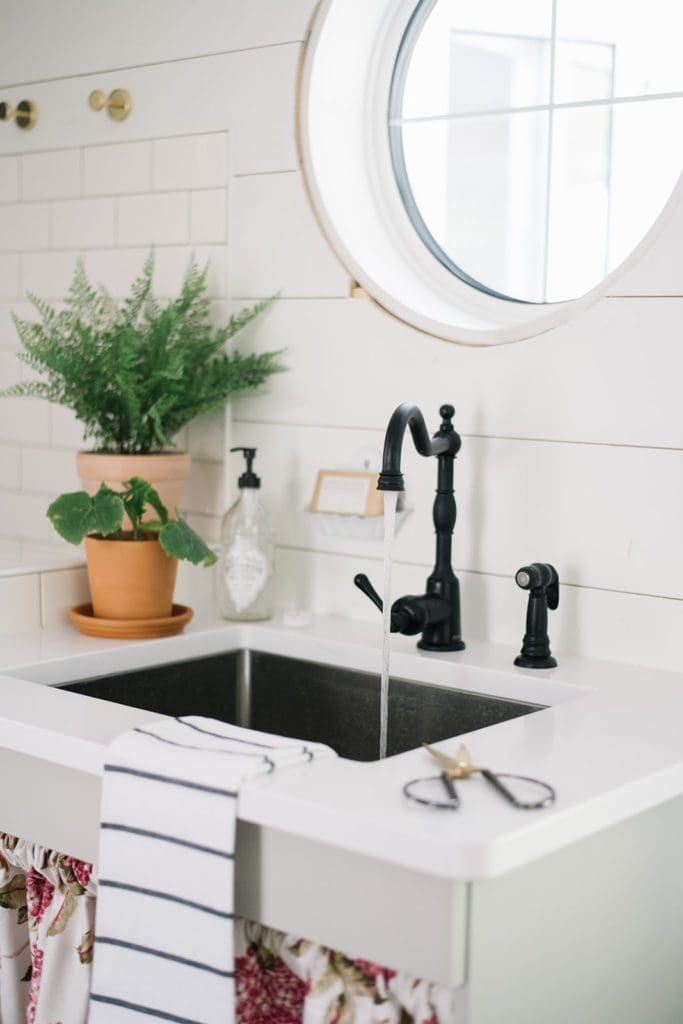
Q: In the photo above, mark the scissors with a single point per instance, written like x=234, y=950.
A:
x=427, y=791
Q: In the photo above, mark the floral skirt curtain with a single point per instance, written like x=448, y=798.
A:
x=47, y=920
x=47, y=915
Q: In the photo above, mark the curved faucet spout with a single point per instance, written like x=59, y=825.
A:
x=435, y=614
x=445, y=442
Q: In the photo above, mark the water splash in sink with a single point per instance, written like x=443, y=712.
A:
x=389, y=531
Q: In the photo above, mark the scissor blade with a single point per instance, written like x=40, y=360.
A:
x=449, y=763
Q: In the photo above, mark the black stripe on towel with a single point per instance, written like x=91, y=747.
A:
x=166, y=839
x=147, y=1011
x=164, y=956
x=228, y=739
x=170, y=780
x=165, y=896
x=205, y=750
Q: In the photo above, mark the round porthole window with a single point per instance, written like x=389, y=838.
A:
x=484, y=170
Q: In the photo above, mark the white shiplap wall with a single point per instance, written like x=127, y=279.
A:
x=572, y=441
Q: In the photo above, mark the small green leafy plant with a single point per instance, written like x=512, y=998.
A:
x=135, y=372
x=78, y=514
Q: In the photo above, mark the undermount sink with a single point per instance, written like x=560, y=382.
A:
x=304, y=700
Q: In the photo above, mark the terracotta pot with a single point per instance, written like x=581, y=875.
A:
x=130, y=579
x=167, y=471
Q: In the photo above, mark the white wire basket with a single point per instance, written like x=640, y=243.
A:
x=355, y=527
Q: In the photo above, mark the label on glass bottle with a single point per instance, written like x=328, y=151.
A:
x=245, y=573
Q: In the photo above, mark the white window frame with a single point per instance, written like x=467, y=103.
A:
x=344, y=145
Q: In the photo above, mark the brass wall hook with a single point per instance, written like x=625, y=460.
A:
x=24, y=115
x=118, y=103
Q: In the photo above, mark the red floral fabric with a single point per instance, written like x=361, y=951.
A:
x=47, y=907
x=47, y=911
x=267, y=991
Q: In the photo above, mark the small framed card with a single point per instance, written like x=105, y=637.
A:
x=347, y=493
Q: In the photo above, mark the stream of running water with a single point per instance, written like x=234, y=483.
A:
x=390, y=498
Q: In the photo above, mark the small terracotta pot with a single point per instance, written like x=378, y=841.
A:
x=130, y=579
x=166, y=471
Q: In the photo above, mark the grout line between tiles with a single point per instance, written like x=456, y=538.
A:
x=339, y=428
x=472, y=572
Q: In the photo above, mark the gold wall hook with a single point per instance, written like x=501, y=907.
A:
x=118, y=103
x=24, y=115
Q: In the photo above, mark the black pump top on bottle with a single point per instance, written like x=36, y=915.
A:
x=248, y=478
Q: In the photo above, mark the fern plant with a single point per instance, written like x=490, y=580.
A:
x=135, y=372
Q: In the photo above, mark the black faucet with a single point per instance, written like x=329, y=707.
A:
x=543, y=584
x=435, y=614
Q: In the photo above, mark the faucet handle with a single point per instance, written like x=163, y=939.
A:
x=364, y=584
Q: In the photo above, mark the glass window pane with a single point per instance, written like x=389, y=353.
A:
x=613, y=169
x=480, y=186
x=484, y=56
x=609, y=48
x=542, y=205
x=579, y=201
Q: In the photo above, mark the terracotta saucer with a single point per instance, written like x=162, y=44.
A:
x=130, y=629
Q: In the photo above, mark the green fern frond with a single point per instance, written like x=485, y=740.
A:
x=135, y=372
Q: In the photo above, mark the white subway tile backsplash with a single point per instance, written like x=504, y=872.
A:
x=20, y=603
x=154, y=219
x=114, y=235
x=196, y=587
x=65, y=430
x=8, y=332
x=10, y=478
x=10, y=372
x=54, y=552
x=117, y=169
x=194, y=161
x=9, y=276
x=24, y=516
x=115, y=269
x=52, y=175
x=208, y=216
x=24, y=227
x=170, y=266
x=60, y=591
x=21, y=419
x=216, y=257
x=206, y=436
x=208, y=527
x=10, y=555
x=9, y=179
x=48, y=274
x=80, y=223
x=48, y=471
x=204, y=495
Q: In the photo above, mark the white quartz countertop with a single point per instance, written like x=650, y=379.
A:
x=610, y=741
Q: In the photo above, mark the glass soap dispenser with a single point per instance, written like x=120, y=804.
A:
x=245, y=568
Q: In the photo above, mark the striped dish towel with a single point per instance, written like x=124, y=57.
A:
x=164, y=922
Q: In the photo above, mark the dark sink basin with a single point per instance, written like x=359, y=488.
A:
x=305, y=700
